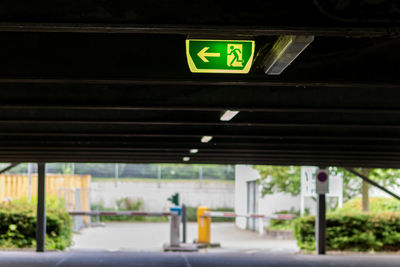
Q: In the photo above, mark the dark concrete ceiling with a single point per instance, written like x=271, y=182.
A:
x=108, y=81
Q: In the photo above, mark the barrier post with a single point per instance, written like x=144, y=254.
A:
x=184, y=219
x=204, y=224
x=175, y=225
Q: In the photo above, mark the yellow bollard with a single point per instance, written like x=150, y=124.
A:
x=204, y=225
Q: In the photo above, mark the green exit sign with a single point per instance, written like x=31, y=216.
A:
x=219, y=56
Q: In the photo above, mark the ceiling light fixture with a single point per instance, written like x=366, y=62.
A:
x=193, y=150
x=284, y=51
x=228, y=115
x=186, y=159
x=206, y=139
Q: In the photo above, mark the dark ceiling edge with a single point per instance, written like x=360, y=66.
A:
x=198, y=108
x=189, y=124
x=200, y=29
x=251, y=82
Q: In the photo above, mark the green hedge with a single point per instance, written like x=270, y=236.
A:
x=191, y=213
x=277, y=224
x=356, y=232
x=125, y=204
x=18, y=225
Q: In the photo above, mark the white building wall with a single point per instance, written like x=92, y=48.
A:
x=270, y=204
x=243, y=174
x=210, y=193
x=266, y=205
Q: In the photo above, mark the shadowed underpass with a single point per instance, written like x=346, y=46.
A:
x=307, y=83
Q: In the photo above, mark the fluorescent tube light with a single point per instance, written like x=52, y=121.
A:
x=186, y=158
x=228, y=115
x=206, y=139
x=284, y=51
x=193, y=150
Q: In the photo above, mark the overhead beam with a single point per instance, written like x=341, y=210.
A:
x=271, y=161
x=202, y=108
x=210, y=96
x=238, y=156
x=188, y=141
x=165, y=149
x=108, y=135
x=204, y=150
x=200, y=123
x=198, y=29
x=228, y=81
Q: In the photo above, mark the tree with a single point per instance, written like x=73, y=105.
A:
x=66, y=168
x=354, y=185
x=276, y=179
x=365, y=191
x=351, y=183
x=287, y=179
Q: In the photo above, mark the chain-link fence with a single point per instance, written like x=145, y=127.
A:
x=143, y=171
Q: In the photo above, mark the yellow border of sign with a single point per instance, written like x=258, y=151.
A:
x=194, y=69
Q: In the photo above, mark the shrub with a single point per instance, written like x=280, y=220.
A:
x=275, y=224
x=191, y=213
x=357, y=232
x=127, y=203
x=18, y=224
x=376, y=204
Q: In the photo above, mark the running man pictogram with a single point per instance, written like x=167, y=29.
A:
x=235, y=55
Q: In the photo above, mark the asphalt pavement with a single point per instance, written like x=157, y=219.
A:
x=159, y=259
x=139, y=244
x=116, y=236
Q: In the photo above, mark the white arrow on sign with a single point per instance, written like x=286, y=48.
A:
x=202, y=54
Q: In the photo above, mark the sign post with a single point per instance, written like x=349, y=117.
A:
x=322, y=188
x=219, y=56
x=308, y=187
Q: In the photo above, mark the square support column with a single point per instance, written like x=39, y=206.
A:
x=41, y=209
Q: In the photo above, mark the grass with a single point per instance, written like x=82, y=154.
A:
x=283, y=225
x=133, y=219
x=127, y=203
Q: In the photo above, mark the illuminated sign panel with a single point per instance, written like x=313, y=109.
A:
x=219, y=56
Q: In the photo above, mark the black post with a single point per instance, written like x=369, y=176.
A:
x=184, y=223
x=320, y=225
x=41, y=209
